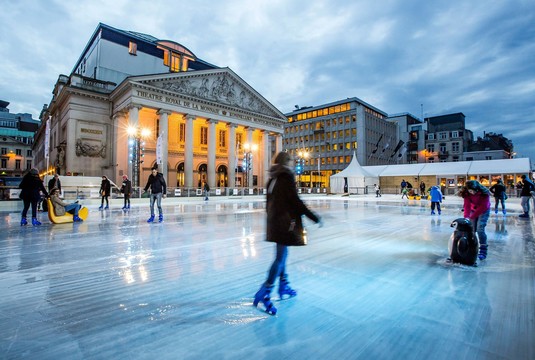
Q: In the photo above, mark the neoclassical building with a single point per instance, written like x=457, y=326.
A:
x=133, y=102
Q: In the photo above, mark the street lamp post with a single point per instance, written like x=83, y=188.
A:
x=137, y=151
x=299, y=166
x=248, y=163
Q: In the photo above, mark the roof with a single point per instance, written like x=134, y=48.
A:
x=476, y=167
x=354, y=169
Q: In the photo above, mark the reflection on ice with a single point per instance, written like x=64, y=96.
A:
x=372, y=283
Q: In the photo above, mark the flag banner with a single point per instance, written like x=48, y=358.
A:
x=47, y=138
x=398, y=146
x=377, y=145
x=159, y=149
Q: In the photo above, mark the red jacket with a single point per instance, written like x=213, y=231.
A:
x=475, y=205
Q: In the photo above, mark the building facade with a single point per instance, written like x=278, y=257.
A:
x=412, y=133
x=161, y=107
x=323, y=138
x=16, y=138
x=447, y=138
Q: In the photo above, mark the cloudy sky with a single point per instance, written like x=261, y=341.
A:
x=476, y=57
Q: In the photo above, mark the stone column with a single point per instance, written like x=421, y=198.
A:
x=164, y=133
x=266, y=158
x=212, y=138
x=278, y=143
x=188, y=152
x=231, y=155
x=252, y=157
x=133, y=121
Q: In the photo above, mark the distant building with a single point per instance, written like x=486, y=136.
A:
x=491, y=146
x=133, y=102
x=447, y=138
x=412, y=134
x=16, y=139
x=323, y=138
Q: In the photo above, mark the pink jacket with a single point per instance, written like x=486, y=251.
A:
x=475, y=205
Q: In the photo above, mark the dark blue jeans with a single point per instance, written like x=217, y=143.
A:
x=479, y=225
x=278, y=268
x=27, y=203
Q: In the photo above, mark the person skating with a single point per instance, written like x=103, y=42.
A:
x=525, y=195
x=499, y=192
x=206, y=190
x=477, y=209
x=377, y=190
x=158, y=189
x=105, y=189
x=436, y=199
x=284, y=227
x=30, y=186
x=126, y=189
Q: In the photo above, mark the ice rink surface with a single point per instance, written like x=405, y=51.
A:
x=373, y=283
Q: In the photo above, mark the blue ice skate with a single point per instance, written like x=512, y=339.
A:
x=285, y=289
x=263, y=296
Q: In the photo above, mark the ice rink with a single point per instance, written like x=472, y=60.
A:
x=373, y=283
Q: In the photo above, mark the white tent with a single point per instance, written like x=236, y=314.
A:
x=356, y=176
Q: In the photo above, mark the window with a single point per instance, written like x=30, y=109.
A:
x=182, y=132
x=28, y=153
x=455, y=147
x=4, y=151
x=132, y=48
x=4, y=163
x=454, y=134
x=488, y=157
x=28, y=164
x=18, y=152
x=442, y=148
x=204, y=135
x=222, y=138
x=442, y=136
x=431, y=148
x=174, y=66
x=430, y=136
x=239, y=143
x=413, y=135
x=17, y=164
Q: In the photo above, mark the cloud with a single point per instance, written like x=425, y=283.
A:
x=444, y=56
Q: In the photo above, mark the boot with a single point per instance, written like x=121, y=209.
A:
x=524, y=215
x=262, y=295
x=35, y=222
x=101, y=207
x=151, y=219
x=77, y=218
x=285, y=289
x=160, y=218
x=482, y=252
x=107, y=207
x=23, y=222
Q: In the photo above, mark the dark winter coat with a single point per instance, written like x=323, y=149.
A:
x=105, y=188
x=157, y=184
x=30, y=187
x=284, y=207
x=498, y=190
x=527, y=187
x=53, y=183
x=126, y=188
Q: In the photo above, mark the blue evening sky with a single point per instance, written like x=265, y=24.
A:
x=476, y=57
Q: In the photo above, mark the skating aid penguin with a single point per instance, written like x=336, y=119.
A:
x=463, y=246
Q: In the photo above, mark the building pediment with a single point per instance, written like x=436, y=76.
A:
x=219, y=86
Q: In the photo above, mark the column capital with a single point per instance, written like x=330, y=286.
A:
x=189, y=117
x=212, y=121
x=134, y=106
x=164, y=111
x=231, y=125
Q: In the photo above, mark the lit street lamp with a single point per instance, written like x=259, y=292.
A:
x=302, y=155
x=137, y=151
